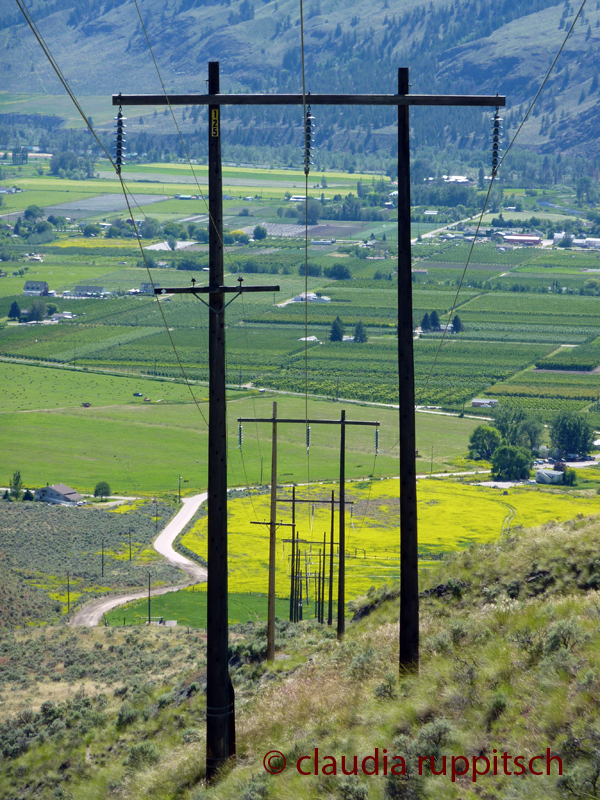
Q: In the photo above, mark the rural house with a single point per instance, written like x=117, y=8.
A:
x=36, y=289
x=58, y=493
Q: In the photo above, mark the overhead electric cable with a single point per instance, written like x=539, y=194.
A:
x=493, y=177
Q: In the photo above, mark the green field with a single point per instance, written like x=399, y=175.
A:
x=149, y=444
x=188, y=607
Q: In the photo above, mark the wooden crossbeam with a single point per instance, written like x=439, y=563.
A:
x=313, y=99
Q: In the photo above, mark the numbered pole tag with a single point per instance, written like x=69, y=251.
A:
x=214, y=122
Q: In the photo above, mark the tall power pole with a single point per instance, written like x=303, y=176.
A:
x=219, y=699
x=409, y=566
x=220, y=711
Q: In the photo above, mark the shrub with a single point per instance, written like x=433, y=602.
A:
x=142, y=753
x=190, y=735
x=165, y=699
x=350, y=788
x=127, y=714
x=386, y=690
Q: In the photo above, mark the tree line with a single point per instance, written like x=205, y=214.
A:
x=514, y=438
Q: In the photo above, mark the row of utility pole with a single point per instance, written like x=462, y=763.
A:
x=220, y=724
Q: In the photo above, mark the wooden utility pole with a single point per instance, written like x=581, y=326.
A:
x=409, y=566
x=330, y=607
x=341, y=620
x=219, y=698
x=272, y=529
x=342, y=522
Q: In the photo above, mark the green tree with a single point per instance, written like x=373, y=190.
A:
x=15, y=311
x=37, y=312
x=518, y=427
x=511, y=463
x=457, y=325
x=16, y=485
x=338, y=272
x=28, y=496
x=102, y=490
x=337, y=331
x=313, y=211
x=92, y=230
x=33, y=213
x=260, y=232
x=571, y=433
x=434, y=321
x=484, y=441
x=360, y=334
x=425, y=323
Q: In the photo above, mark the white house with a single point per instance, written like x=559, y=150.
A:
x=58, y=494
x=483, y=402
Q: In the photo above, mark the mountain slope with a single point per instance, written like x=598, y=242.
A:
x=472, y=47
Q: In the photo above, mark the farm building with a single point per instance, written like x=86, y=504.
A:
x=548, y=476
x=148, y=288
x=88, y=291
x=483, y=402
x=522, y=239
x=311, y=297
x=36, y=289
x=58, y=494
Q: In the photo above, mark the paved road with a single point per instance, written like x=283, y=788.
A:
x=91, y=614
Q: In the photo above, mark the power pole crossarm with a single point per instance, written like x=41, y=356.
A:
x=315, y=100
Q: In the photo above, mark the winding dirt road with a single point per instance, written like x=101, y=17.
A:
x=91, y=614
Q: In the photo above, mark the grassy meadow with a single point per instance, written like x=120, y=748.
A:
x=188, y=607
x=150, y=444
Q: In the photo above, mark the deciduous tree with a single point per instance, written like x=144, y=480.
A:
x=511, y=463
x=38, y=310
x=484, y=441
x=571, y=433
x=102, y=490
x=517, y=426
